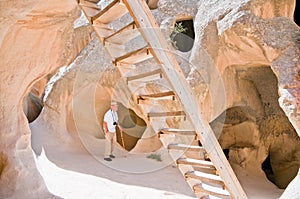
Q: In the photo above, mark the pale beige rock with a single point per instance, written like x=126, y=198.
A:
x=36, y=38
x=242, y=39
x=85, y=92
x=250, y=40
x=235, y=44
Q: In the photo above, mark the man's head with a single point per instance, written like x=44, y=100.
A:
x=114, y=106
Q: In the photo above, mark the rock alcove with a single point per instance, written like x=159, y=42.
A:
x=133, y=127
x=183, y=35
x=259, y=124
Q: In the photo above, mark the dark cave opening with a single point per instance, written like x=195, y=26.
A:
x=32, y=105
x=296, y=13
x=259, y=120
x=226, y=153
x=267, y=168
x=133, y=127
x=183, y=35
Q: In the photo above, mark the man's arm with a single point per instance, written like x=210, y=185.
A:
x=105, y=129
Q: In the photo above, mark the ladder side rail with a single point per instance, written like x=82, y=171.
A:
x=174, y=75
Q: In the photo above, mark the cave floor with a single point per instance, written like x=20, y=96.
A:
x=71, y=170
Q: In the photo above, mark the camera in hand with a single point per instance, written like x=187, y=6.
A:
x=115, y=123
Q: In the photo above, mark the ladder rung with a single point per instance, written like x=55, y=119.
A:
x=196, y=163
x=186, y=147
x=123, y=35
x=115, y=50
x=157, y=95
x=139, y=76
x=206, y=170
x=89, y=4
x=166, y=114
x=133, y=57
x=213, y=191
x=102, y=31
x=177, y=131
x=205, y=177
x=91, y=1
x=89, y=12
x=111, y=12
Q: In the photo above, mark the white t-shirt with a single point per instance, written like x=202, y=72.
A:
x=110, y=117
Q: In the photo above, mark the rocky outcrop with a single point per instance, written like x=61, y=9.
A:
x=245, y=52
x=36, y=38
x=234, y=34
x=82, y=96
x=85, y=90
x=239, y=41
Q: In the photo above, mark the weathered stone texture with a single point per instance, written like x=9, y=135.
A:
x=36, y=37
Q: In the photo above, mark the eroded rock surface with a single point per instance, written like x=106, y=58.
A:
x=244, y=52
x=243, y=38
x=36, y=38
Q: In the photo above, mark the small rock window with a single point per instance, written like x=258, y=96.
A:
x=267, y=168
x=183, y=35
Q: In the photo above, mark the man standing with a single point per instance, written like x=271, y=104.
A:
x=110, y=123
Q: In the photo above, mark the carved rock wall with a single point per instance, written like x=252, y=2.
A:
x=233, y=39
x=240, y=40
x=36, y=37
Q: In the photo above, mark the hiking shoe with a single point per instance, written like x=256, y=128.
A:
x=112, y=156
x=108, y=159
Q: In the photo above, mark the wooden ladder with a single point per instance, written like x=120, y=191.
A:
x=209, y=172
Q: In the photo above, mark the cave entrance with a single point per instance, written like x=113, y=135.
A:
x=183, y=35
x=133, y=127
x=226, y=153
x=267, y=168
x=33, y=102
x=297, y=14
x=258, y=122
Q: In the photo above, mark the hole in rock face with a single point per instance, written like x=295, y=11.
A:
x=259, y=123
x=183, y=35
x=32, y=106
x=297, y=13
x=32, y=103
x=130, y=120
x=226, y=152
x=267, y=168
x=133, y=127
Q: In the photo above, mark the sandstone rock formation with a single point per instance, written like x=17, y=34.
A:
x=242, y=39
x=245, y=58
x=36, y=38
x=245, y=53
x=86, y=89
